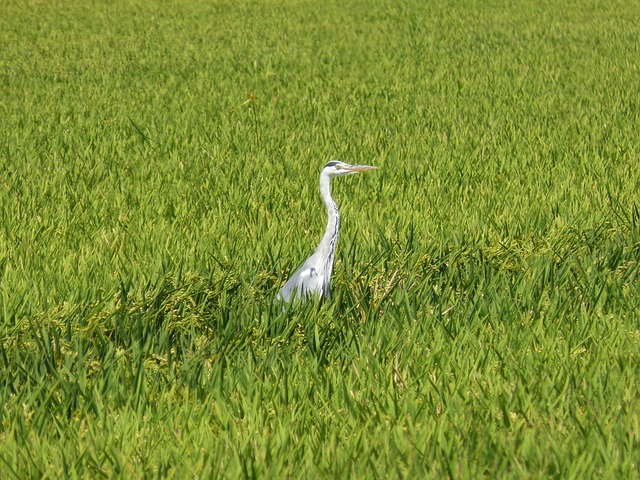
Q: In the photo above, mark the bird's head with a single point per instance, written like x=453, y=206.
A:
x=336, y=168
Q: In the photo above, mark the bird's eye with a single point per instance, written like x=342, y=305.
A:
x=338, y=167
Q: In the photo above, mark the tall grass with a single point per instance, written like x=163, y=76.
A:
x=158, y=184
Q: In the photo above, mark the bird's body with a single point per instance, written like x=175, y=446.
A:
x=314, y=276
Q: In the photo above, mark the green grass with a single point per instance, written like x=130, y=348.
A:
x=158, y=183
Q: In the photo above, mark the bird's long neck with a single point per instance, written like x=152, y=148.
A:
x=327, y=245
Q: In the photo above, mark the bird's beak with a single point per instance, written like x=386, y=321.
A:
x=359, y=168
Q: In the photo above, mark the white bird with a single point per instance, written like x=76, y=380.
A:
x=314, y=276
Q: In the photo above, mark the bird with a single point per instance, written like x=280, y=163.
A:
x=313, y=278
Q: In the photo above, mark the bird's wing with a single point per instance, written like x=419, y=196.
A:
x=306, y=281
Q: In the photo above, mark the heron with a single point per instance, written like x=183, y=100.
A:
x=313, y=278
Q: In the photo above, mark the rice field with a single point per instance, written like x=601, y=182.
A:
x=159, y=168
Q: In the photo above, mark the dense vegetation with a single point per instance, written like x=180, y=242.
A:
x=158, y=182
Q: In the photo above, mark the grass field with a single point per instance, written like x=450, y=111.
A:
x=158, y=183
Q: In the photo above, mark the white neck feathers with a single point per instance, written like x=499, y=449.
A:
x=328, y=243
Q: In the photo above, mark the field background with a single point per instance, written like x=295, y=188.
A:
x=158, y=182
